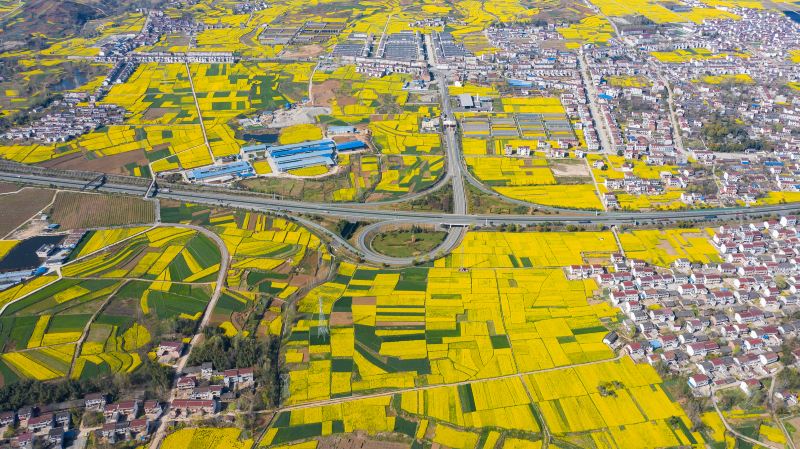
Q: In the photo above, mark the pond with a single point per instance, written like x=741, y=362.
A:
x=71, y=82
x=261, y=138
x=23, y=256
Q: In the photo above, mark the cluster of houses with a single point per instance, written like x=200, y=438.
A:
x=528, y=62
x=723, y=323
x=156, y=25
x=633, y=102
x=50, y=425
x=633, y=107
x=125, y=420
x=749, y=63
x=68, y=120
x=201, y=389
x=46, y=426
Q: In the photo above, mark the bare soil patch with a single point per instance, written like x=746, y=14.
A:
x=364, y=301
x=157, y=113
x=306, y=51
x=325, y=92
x=341, y=319
x=569, y=169
x=346, y=100
x=20, y=207
x=107, y=164
x=666, y=247
x=301, y=280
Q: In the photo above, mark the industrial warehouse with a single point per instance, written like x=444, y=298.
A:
x=281, y=158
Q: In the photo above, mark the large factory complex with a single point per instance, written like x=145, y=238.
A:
x=281, y=158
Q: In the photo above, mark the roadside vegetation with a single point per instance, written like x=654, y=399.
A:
x=407, y=242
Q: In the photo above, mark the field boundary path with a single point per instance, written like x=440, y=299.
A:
x=333, y=401
x=619, y=242
x=85, y=332
x=199, y=114
x=595, y=184
x=52, y=200
x=380, y=394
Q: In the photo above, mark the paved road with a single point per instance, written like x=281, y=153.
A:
x=451, y=143
x=457, y=166
x=365, y=235
x=600, y=123
x=262, y=204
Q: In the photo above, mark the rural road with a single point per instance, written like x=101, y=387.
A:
x=225, y=260
x=736, y=433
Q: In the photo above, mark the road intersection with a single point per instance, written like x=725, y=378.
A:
x=457, y=222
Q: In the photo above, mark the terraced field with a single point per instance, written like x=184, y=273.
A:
x=101, y=314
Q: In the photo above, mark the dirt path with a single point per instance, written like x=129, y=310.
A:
x=596, y=186
x=199, y=114
x=85, y=332
x=430, y=387
x=733, y=431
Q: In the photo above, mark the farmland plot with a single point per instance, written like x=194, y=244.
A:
x=102, y=312
x=79, y=210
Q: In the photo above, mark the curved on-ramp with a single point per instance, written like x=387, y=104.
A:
x=367, y=233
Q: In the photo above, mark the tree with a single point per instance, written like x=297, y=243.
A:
x=729, y=399
x=93, y=419
x=228, y=353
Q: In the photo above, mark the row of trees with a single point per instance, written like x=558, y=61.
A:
x=154, y=378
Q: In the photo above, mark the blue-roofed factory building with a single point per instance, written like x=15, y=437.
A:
x=222, y=172
x=350, y=145
x=283, y=158
x=303, y=154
